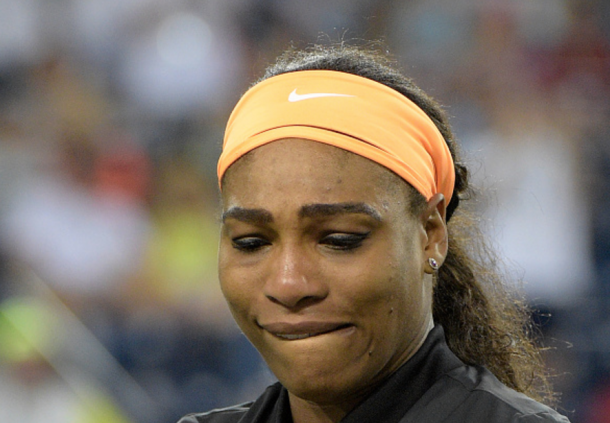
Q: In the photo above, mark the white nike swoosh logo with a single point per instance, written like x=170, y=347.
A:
x=300, y=97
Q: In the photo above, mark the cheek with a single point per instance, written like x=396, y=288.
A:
x=235, y=283
x=397, y=290
x=376, y=287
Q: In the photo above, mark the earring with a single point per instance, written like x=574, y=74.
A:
x=433, y=264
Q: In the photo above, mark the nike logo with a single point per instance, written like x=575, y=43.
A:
x=300, y=97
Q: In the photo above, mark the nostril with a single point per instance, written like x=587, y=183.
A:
x=309, y=300
x=296, y=303
x=273, y=299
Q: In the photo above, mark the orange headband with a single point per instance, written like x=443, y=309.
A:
x=346, y=111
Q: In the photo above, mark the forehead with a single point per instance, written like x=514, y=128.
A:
x=302, y=168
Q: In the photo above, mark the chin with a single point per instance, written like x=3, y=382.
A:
x=320, y=391
x=327, y=384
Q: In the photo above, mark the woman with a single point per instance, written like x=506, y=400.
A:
x=343, y=260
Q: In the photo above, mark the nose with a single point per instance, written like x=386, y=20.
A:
x=293, y=280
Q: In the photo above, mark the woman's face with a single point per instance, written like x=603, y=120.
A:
x=323, y=267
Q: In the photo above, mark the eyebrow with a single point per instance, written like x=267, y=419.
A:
x=262, y=216
x=321, y=210
x=256, y=216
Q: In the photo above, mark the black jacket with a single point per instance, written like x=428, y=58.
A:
x=433, y=386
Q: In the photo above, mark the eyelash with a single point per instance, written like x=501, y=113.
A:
x=344, y=241
x=249, y=244
x=335, y=241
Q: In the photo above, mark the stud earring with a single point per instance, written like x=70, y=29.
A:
x=433, y=264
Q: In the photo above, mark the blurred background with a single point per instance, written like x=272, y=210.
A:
x=111, y=121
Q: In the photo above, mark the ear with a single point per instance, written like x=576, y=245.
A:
x=433, y=220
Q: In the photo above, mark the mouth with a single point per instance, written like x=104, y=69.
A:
x=304, y=330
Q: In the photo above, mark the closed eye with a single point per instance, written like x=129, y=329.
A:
x=249, y=244
x=344, y=241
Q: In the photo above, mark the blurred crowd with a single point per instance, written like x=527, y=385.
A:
x=111, y=121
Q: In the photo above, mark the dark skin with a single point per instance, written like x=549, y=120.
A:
x=326, y=271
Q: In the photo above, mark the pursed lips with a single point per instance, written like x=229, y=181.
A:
x=302, y=330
